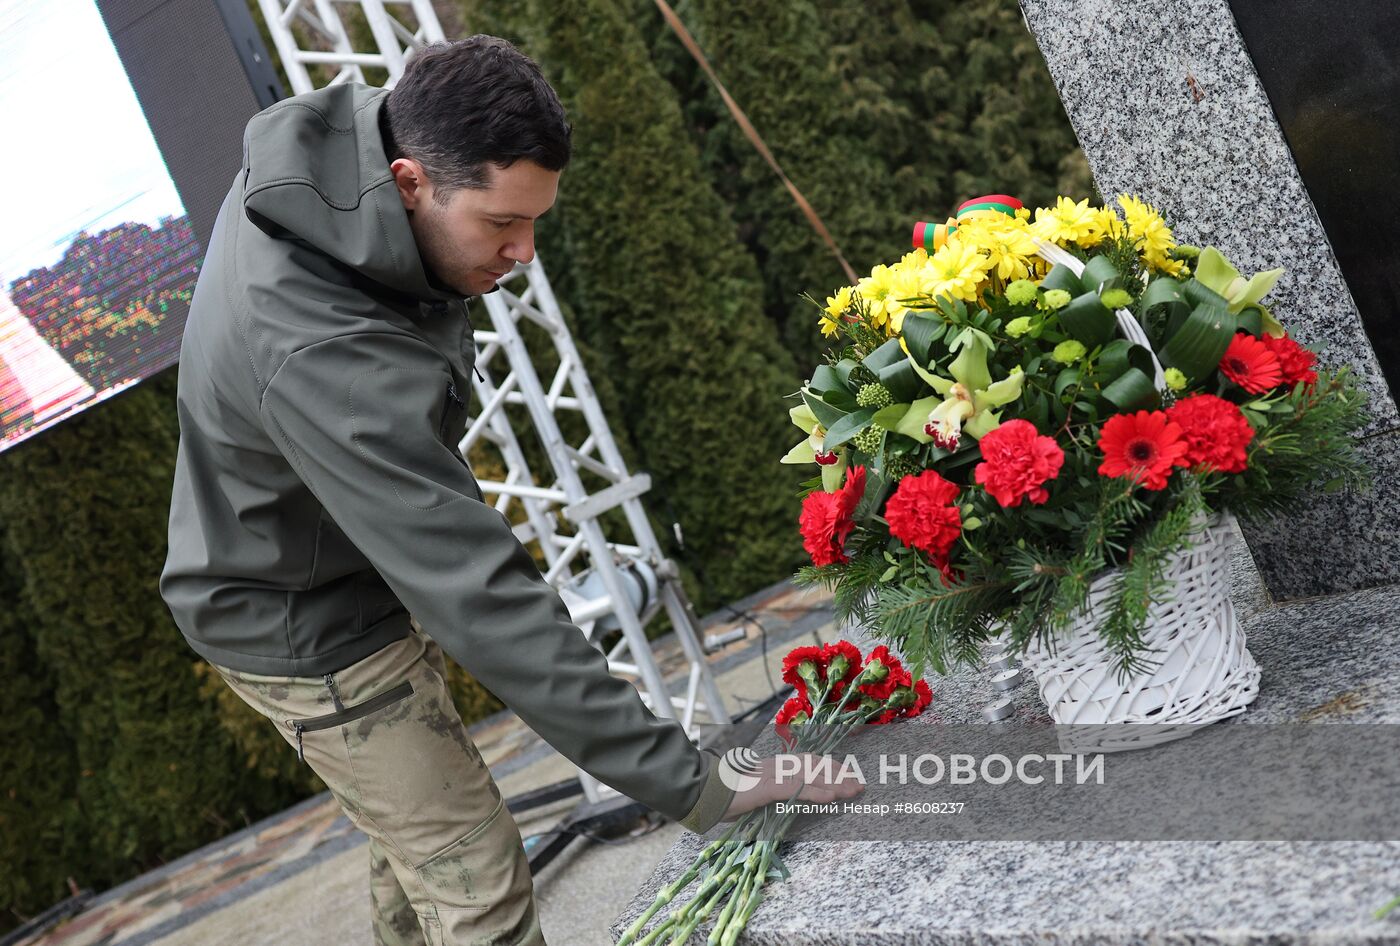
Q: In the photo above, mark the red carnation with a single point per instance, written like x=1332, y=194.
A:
x=795, y=657
x=881, y=689
x=853, y=657
x=1251, y=364
x=1296, y=363
x=1016, y=461
x=922, y=515
x=794, y=705
x=1216, y=432
x=1143, y=445
x=826, y=519
x=923, y=696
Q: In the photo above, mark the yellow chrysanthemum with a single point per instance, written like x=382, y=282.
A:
x=837, y=305
x=1146, y=227
x=1165, y=264
x=1151, y=235
x=957, y=270
x=1108, y=222
x=907, y=281
x=875, y=290
x=1007, y=243
x=1066, y=222
x=916, y=257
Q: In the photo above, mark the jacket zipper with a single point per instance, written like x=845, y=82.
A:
x=456, y=399
x=346, y=714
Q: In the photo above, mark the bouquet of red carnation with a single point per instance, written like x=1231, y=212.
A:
x=835, y=686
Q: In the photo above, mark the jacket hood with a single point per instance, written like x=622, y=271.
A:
x=315, y=170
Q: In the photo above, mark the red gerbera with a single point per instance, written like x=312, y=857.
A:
x=826, y=519
x=1216, y=432
x=1143, y=445
x=1296, y=363
x=922, y=514
x=1016, y=461
x=1251, y=364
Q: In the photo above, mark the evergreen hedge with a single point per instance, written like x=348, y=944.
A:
x=669, y=299
x=147, y=771
x=775, y=58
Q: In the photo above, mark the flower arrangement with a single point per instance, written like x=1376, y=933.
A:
x=1022, y=404
x=836, y=689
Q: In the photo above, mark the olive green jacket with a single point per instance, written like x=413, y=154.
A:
x=319, y=498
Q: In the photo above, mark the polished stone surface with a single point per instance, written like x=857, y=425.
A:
x=1167, y=104
x=1324, y=661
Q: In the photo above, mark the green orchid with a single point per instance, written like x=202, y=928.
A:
x=1217, y=274
x=813, y=449
x=964, y=402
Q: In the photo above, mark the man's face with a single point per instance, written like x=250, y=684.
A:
x=478, y=235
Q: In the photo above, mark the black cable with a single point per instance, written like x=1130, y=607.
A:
x=656, y=825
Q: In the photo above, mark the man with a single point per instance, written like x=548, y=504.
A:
x=325, y=531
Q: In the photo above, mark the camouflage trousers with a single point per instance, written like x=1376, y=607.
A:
x=447, y=866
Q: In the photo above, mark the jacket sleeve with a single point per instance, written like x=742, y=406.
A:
x=359, y=418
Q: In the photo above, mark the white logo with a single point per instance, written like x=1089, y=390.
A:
x=739, y=768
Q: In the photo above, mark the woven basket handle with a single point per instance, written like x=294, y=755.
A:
x=1128, y=325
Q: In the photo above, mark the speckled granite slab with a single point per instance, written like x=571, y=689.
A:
x=1166, y=103
x=1329, y=660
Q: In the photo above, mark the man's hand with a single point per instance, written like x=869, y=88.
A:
x=825, y=784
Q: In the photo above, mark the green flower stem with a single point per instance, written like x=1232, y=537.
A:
x=731, y=909
x=699, y=915
x=1381, y=913
x=730, y=871
x=732, y=926
x=668, y=893
x=652, y=937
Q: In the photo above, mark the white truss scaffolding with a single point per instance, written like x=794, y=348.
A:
x=318, y=24
x=609, y=585
x=564, y=517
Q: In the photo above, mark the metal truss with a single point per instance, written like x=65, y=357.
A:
x=609, y=585
x=328, y=44
x=621, y=586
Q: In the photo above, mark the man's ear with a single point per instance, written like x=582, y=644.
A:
x=412, y=182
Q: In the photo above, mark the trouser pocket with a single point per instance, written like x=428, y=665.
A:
x=480, y=886
x=349, y=714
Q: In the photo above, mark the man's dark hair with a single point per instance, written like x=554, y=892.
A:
x=462, y=105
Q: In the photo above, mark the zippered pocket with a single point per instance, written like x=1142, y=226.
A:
x=348, y=715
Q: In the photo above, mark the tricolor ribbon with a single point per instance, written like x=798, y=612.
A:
x=932, y=236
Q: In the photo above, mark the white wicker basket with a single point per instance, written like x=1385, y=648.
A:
x=1202, y=672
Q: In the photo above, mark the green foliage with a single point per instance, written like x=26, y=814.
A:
x=1309, y=439
x=882, y=114
x=140, y=768
x=775, y=59
x=38, y=809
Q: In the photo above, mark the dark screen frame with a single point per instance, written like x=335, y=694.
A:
x=1331, y=71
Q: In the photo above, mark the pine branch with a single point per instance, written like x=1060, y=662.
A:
x=1142, y=580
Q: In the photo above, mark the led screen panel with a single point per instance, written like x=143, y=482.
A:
x=97, y=255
